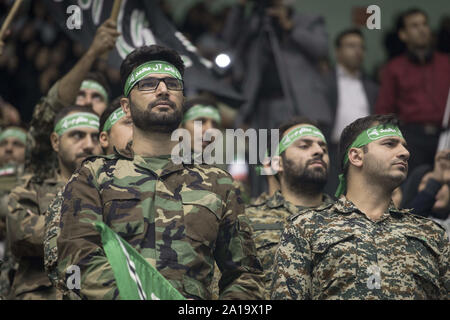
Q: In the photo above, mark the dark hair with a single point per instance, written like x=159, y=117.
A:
x=402, y=17
x=148, y=53
x=354, y=129
x=100, y=78
x=73, y=108
x=344, y=33
x=113, y=106
x=192, y=101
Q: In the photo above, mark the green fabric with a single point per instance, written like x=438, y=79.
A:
x=152, y=67
x=113, y=118
x=13, y=132
x=199, y=111
x=296, y=134
x=366, y=137
x=77, y=120
x=91, y=84
x=136, y=279
x=157, y=163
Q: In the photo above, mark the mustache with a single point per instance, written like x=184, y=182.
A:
x=159, y=101
x=317, y=160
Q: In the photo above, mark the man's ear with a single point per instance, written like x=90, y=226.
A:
x=277, y=164
x=54, y=140
x=356, y=157
x=104, y=140
x=125, y=104
x=402, y=35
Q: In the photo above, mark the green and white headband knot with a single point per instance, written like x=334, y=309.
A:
x=77, y=120
x=94, y=85
x=296, y=134
x=200, y=111
x=366, y=137
x=14, y=133
x=151, y=67
x=113, y=118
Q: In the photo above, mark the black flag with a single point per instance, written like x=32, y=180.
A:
x=140, y=23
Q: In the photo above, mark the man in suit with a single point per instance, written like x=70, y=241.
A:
x=352, y=94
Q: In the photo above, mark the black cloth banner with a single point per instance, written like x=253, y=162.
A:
x=140, y=23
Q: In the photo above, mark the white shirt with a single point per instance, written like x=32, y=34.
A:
x=352, y=101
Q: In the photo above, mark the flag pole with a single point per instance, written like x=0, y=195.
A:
x=12, y=13
x=114, y=15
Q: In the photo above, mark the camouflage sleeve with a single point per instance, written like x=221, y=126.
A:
x=291, y=270
x=40, y=157
x=444, y=265
x=25, y=227
x=242, y=274
x=79, y=243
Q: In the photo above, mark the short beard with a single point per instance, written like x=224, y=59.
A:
x=375, y=169
x=309, y=181
x=148, y=121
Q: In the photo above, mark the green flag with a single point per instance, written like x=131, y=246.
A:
x=135, y=277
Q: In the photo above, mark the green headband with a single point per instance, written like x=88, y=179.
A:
x=113, y=118
x=366, y=137
x=91, y=84
x=152, y=67
x=296, y=134
x=77, y=120
x=15, y=133
x=201, y=110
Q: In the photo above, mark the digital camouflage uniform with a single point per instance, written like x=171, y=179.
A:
x=268, y=220
x=337, y=252
x=25, y=223
x=181, y=218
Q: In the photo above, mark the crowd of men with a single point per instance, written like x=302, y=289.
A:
x=88, y=158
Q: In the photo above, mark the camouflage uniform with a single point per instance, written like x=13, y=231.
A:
x=25, y=222
x=8, y=266
x=336, y=252
x=181, y=218
x=267, y=220
x=40, y=159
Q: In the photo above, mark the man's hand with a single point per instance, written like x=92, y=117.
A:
x=281, y=12
x=105, y=38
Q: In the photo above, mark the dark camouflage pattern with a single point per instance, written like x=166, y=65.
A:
x=336, y=252
x=181, y=218
x=25, y=222
x=268, y=219
x=40, y=160
x=9, y=266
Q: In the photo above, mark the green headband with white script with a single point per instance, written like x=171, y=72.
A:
x=200, y=111
x=77, y=120
x=15, y=133
x=296, y=134
x=94, y=85
x=113, y=118
x=152, y=67
x=366, y=137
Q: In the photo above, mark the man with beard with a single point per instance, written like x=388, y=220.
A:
x=302, y=164
x=79, y=86
x=362, y=246
x=180, y=217
x=75, y=137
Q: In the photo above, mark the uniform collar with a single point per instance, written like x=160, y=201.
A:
x=345, y=206
x=139, y=161
x=277, y=200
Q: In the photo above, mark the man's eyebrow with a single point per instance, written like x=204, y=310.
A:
x=74, y=132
